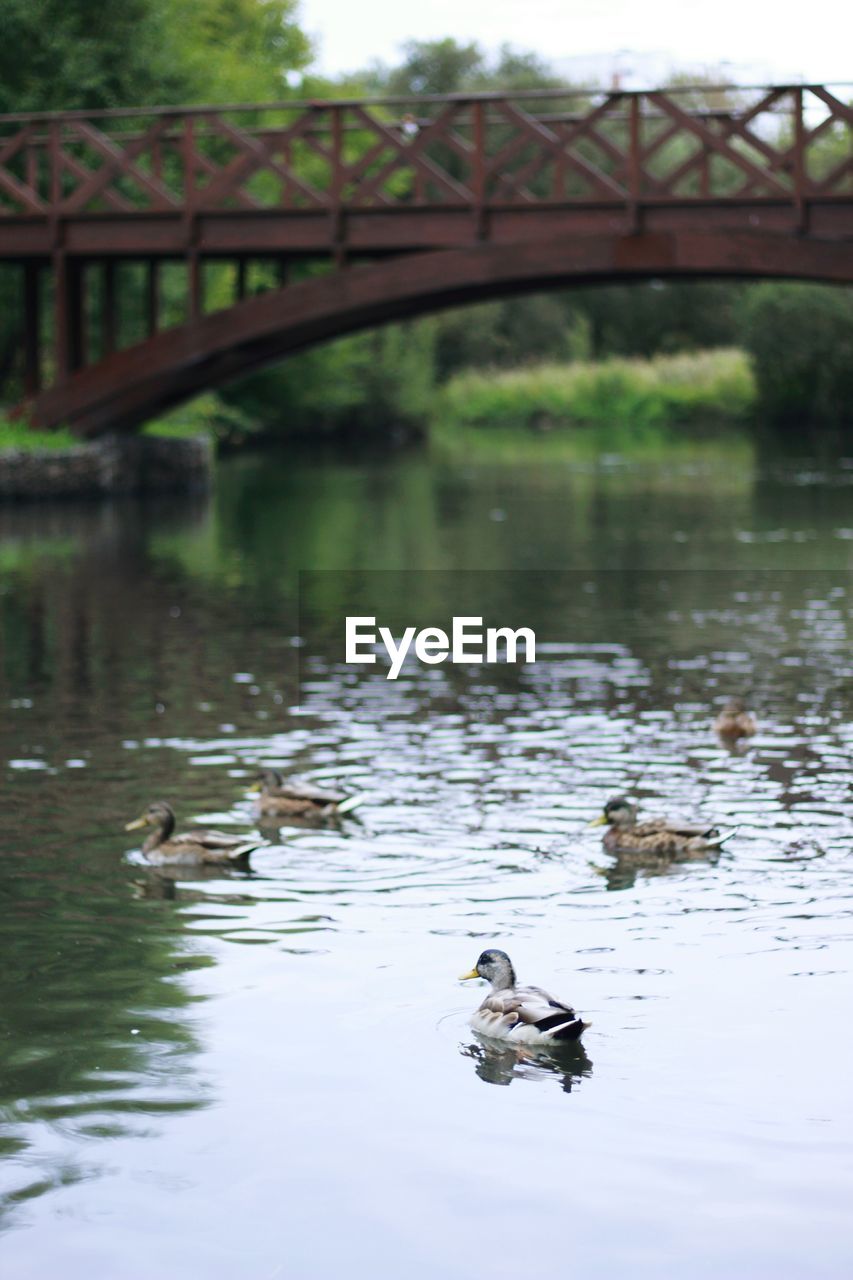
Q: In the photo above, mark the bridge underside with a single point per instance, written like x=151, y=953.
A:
x=128, y=387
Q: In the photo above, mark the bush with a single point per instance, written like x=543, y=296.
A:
x=800, y=339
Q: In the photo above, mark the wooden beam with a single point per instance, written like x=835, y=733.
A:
x=109, y=327
x=32, y=327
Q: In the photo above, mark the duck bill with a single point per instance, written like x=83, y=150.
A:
x=254, y=786
x=136, y=825
x=463, y=977
x=598, y=822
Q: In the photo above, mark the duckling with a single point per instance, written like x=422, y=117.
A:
x=191, y=848
x=657, y=837
x=734, y=721
x=277, y=798
x=525, y=1015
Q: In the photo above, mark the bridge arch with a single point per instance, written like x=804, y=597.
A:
x=153, y=376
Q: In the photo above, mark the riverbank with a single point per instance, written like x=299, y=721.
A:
x=61, y=467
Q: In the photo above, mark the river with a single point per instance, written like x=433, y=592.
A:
x=270, y=1074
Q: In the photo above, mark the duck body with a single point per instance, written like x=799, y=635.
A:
x=520, y=1014
x=657, y=837
x=734, y=721
x=297, y=799
x=189, y=848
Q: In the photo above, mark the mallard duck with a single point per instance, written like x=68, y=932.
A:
x=657, y=837
x=294, y=798
x=734, y=721
x=192, y=848
x=525, y=1015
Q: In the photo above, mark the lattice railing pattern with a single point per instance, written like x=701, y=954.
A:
x=788, y=143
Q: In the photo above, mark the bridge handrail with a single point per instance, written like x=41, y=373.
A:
x=306, y=104
x=614, y=146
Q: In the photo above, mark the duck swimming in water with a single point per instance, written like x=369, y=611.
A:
x=658, y=836
x=191, y=848
x=734, y=721
x=297, y=799
x=523, y=1015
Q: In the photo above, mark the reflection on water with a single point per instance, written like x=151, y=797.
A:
x=501, y=1064
x=236, y=1057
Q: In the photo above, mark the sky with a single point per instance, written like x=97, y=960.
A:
x=641, y=39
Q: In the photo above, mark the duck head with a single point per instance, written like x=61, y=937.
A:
x=268, y=782
x=159, y=815
x=618, y=812
x=496, y=967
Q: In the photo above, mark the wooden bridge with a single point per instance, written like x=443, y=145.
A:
x=165, y=251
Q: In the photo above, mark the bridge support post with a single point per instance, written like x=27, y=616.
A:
x=32, y=327
x=76, y=315
x=240, y=282
x=152, y=297
x=61, y=325
x=108, y=318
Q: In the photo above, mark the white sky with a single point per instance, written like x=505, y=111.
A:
x=760, y=39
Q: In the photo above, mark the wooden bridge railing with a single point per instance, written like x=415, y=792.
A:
x=785, y=143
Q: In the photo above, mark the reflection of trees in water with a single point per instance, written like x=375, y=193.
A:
x=497, y=1063
x=96, y=1040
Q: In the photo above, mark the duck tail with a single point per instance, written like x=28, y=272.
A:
x=240, y=857
x=573, y=1030
x=347, y=806
x=716, y=838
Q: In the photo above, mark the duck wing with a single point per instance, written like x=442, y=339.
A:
x=213, y=846
x=529, y=1013
x=299, y=790
x=660, y=835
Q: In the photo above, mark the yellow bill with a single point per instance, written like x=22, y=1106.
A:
x=136, y=824
x=598, y=822
x=464, y=976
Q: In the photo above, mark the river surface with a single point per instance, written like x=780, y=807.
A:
x=270, y=1074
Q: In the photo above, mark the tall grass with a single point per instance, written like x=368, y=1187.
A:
x=703, y=386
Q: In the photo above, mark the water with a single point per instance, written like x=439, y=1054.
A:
x=272, y=1072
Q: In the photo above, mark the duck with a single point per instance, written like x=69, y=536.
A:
x=190, y=848
x=735, y=721
x=658, y=837
x=520, y=1014
x=294, y=798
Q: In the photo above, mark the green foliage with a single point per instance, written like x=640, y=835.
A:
x=59, y=54
x=235, y=50
x=63, y=54
x=370, y=382
x=17, y=434
x=207, y=414
x=702, y=387
x=800, y=338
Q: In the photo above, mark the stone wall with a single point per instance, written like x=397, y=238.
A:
x=111, y=464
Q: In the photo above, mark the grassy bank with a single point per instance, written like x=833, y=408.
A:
x=18, y=435
x=700, y=387
x=206, y=415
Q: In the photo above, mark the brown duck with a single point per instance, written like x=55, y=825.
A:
x=734, y=721
x=656, y=837
x=191, y=848
x=293, y=798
